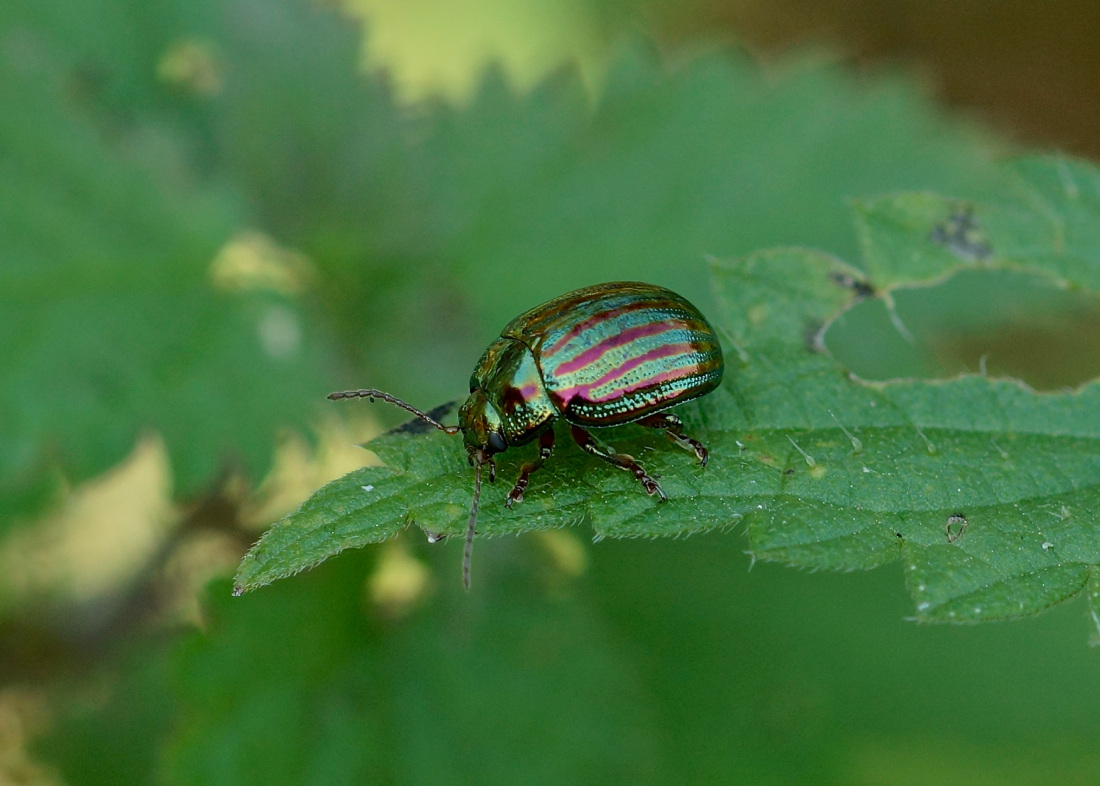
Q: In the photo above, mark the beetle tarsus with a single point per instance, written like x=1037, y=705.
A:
x=546, y=447
x=653, y=487
x=621, y=460
x=648, y=482
x=674, y=428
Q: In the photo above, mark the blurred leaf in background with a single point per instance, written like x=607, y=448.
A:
x=440, y=49
x=173, y=152
x=113, y=320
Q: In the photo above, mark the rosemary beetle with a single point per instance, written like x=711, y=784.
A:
x=601, y=356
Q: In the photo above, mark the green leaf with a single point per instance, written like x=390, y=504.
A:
x=985, y=489
x=110, y=321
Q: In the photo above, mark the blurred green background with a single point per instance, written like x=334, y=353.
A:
x=212, y=212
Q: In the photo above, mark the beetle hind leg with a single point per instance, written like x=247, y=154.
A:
x=621, y=460
x=674, y=427
x=546, y=447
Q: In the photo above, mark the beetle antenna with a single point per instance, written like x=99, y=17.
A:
x=378, y=394
x=473, y=521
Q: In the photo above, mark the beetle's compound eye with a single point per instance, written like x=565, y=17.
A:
x=496, y=443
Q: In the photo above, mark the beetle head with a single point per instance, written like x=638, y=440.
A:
x=482, y=427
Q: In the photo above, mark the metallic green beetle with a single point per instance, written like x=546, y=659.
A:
x=600, y=356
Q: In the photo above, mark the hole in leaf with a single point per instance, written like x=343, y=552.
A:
x=1011, y=324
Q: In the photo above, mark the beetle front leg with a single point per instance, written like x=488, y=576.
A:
x=546, y=447
x=674, y=427
x=621, y=460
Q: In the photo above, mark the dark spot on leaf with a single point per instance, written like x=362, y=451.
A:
x=788, y=471
x=418, y=426
x=847, y=281
x=961, y=234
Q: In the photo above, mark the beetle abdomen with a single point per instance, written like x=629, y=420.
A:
x=618, y=352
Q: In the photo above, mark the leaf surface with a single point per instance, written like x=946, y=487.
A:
x=985, y=489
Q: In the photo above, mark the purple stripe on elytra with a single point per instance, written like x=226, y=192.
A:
x=593, y=354
x=593, y=321
x=664, y=376
x=568, y=394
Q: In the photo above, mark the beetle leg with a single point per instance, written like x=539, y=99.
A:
x=546, y=447
x=674, y=427
x=621, y=460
